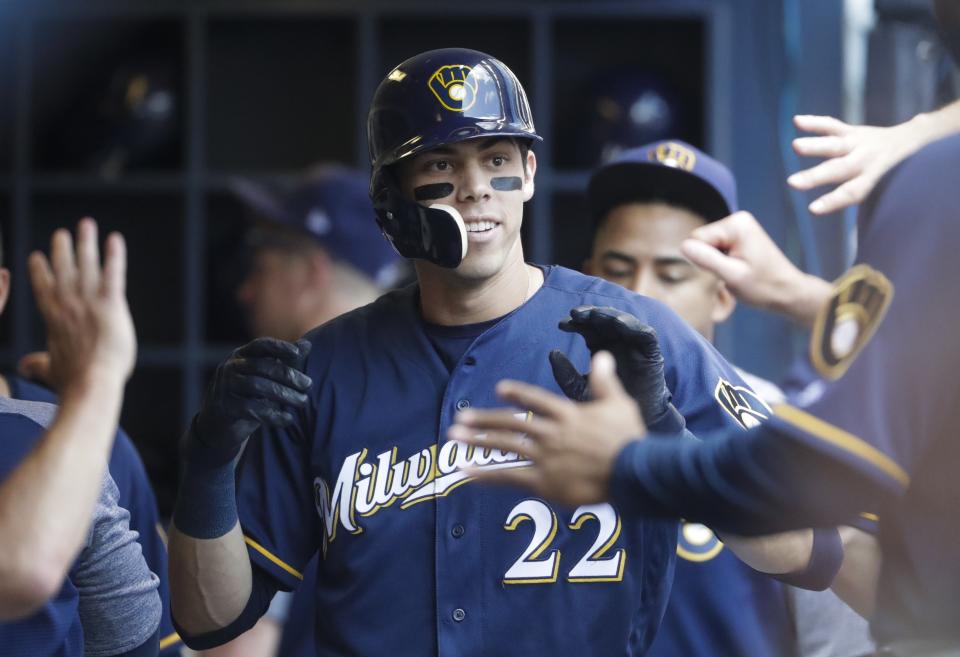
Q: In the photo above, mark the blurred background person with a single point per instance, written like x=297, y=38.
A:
x=643, y=205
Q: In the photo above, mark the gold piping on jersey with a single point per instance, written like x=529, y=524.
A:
x=842, y=439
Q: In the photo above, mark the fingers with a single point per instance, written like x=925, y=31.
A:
x=88, y=257
x=64, y=265
x=115, y=266
x=272, y=369
x=505, y=441
x=268, y=414
x=571, y=382
x=727, y=233
x=849, y=193
x=286, y=352
x=543, y=403
x=526, y=477
x=705, y=256
x=821, y=146
x=35, y=366
x=824, y=125
x=832, y=171
x=604, y=383
x=259, y=388
x=42, y=281
x=479, y=421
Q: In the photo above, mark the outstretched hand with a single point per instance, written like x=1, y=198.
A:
x=90, y=333
x=571, y=446
x=857, y=157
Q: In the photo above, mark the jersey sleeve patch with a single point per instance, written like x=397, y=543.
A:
x=843, y=440
x=846, y=323
x=741, y=403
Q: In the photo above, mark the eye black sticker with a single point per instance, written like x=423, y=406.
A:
x=433, y=191
x=507, y=183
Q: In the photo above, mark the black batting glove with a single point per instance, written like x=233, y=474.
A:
x=635, y=348
x=261, y=383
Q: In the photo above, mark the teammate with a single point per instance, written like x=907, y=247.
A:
x=880, y=437
x=125, y=467
x=645, y=203
x=72, y=578
x=315, y=255
x=351, y=461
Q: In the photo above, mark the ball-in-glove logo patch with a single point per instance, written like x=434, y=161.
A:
x=846, y=323
x=454, y=87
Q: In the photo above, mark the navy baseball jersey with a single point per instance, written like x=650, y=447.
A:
x=55, y=628
x=136, y=496
x=414, y=557
x=108, y=604
x=721, y=606
x=882, y=435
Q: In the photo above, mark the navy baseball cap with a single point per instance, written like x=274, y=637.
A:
x=332, y=207
x=670, y=171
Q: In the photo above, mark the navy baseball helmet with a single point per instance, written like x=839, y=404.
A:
x=670, y=171
x=437, y=97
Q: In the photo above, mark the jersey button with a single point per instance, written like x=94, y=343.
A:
x=463, y=404
x=459, y=614
x=457, y=530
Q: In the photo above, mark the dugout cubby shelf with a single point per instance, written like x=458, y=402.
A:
x=265, y=88
x=106, y=95
x=280, y=92
x=153, y=227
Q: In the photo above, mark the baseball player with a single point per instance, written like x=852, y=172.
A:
x=128, y=472
x=645, y=203
x=73, y=579
x=881, y=436
x=350, y=458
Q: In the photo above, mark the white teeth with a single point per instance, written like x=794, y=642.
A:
x=479, y=226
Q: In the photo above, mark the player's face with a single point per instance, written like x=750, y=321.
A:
x=272, y=291
x=485, y=179
x=638, y=247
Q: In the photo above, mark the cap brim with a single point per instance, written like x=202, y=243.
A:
x=638, y=182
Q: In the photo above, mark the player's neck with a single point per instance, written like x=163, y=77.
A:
x=449, y=300
x=4, y=386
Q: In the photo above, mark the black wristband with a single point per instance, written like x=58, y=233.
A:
x=826, y=557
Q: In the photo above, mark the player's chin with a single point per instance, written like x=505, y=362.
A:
x=479, y=265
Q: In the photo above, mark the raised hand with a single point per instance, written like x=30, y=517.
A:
x=639, y=363
x=571, y=446
x=90, y=333
x=739, y=252
x=259, y=384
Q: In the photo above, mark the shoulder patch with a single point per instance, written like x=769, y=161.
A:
x=846, y=323
x=743, y=404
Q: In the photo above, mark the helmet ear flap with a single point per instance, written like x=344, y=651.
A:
x=436, y=233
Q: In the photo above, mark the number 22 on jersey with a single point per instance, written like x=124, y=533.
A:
x=532, y=567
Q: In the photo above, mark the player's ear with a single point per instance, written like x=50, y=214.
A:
x=724, y=303
x=528, y=173
x=4, y=287
x=587, y=267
